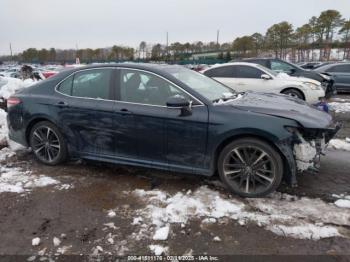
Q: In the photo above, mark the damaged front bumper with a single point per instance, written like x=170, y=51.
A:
x=304, y=149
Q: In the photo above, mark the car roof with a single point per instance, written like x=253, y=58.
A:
x=327, y=66
x=233, y=63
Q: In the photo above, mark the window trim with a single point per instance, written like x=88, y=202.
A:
x=87, y=69
x=117, y=76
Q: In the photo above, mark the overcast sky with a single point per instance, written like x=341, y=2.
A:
x=103, y=23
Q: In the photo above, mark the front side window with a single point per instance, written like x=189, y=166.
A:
x=146, y=88
x=92, y=83
x=248, y=72
x=223, y=71
x=280, y=66
x=340, y=68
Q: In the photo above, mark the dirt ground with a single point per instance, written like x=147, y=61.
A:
x=80, y=212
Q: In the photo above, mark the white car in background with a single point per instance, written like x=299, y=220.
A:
x=242, y=76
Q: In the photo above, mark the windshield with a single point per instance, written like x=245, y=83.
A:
x=268, y=70
x=202, y=84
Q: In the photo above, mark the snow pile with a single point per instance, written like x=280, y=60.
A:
x=13, y=85
x=345, y=203
x=158, y=249
x=340, y=144
x=3, y=128
x=286, y=215
x=16, y=180
x=339, y=107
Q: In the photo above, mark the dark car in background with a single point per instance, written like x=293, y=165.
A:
x=340, y=72
x=170, y=118
x=279, y=65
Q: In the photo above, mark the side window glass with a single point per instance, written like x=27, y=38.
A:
x=92, y=83
x=340, y=68
x=280, y=66
x=145, y=88
x=224, y=71
x=66, y=86
x=248, y=72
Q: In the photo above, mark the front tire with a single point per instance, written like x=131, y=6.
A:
x=250, y=167
x=293, y=93
x=47, y=143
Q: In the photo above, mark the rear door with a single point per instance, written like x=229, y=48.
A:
x=249, y=79
x=85, y=109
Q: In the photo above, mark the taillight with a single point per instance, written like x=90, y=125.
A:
x=12, y=101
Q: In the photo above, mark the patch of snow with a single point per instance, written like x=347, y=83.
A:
x=345, y=203
x=137, y=221
x=16, y=180
x=339, y=107
x=310, y=231
x=340, y=144
x=111, y=214
x=110, y=225
x=217, y=239
x=158, y=249
x=162, y=233
x=276, y=212
x=56, y=241
x=63, y=250
x=36, y=241
x=6, y=153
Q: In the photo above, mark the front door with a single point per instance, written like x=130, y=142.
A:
x=161, y=136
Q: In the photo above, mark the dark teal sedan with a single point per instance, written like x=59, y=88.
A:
x=170, y=118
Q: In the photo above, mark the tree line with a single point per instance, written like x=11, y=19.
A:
x=322, y=33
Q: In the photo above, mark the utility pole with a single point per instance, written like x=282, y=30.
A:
x=167, y=44
x=217, y=38
x=11, y=51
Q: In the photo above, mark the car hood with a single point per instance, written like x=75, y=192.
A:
x=282, y=106
x=312, y=75
x=298, y=80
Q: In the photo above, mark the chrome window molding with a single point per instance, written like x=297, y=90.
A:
x=118, y=101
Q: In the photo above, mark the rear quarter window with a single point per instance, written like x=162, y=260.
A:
x=65, y=87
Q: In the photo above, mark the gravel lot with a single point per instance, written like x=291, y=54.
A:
x=90, y=208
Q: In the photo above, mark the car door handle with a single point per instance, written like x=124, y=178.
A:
x=241, y=84
x=125, y=111
x=62, y=104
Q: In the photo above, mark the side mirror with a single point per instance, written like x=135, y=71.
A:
x=292, y=71
x=265, y=77
x=177, y=101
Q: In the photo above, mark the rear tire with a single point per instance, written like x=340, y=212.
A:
x=250, y=167
x=47, y=143
x=294, y=93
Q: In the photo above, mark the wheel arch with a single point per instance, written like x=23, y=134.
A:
x=33, y=122
x=287, y=163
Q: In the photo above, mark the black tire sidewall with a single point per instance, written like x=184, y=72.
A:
x=63, y=146
x=295, y=92
x=274, y=154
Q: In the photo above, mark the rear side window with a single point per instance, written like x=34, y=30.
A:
x=224, y=71
x=92, y=83
x=340, y=68
x=66, y=86
x=248, y=72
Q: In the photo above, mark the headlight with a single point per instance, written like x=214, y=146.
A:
x=312, y=85
x=326, y=77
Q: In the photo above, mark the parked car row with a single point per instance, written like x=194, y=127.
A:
x=172, y=118
x=243, y=76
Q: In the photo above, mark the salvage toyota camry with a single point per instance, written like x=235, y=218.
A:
x=170, y=118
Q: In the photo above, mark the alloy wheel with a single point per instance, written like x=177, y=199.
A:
x=249, y=169
x=46, y=144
